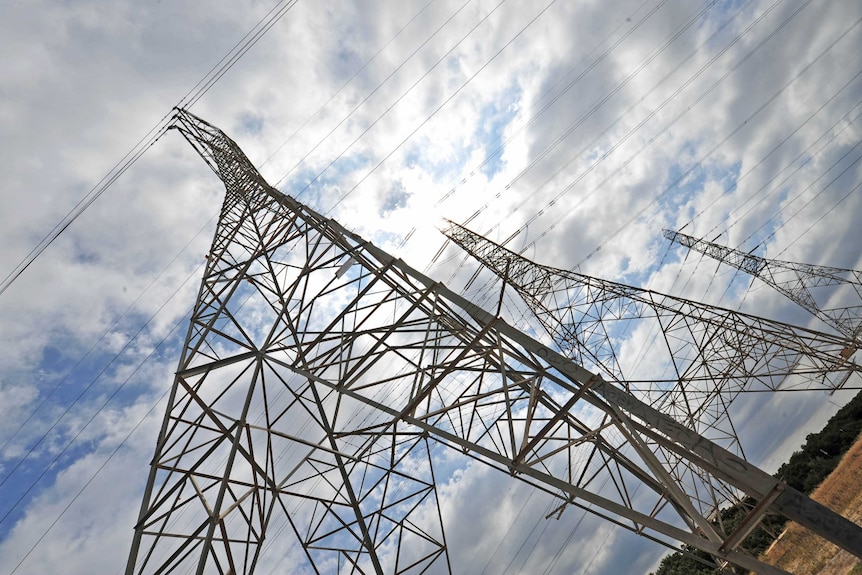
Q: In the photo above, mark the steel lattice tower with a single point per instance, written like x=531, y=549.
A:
x=701, y=356
x=804, y=284
x=320, y=376
x=243, y=439
x=692, y=360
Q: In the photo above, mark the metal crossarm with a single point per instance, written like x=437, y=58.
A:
x=692, y=360
x=322, y=378
x=810, y=286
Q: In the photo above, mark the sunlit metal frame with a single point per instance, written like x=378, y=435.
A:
x=317, y=369
x=796, y=281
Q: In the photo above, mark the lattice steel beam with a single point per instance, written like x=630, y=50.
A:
x=689, y=359
x=321, y=376
x=807, y=285
x=589, y=316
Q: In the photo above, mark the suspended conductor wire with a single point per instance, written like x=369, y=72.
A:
x=807, y=155
x=651, y=203
x=399, y=99
x=804, y=154
x=816, y=196
x=342, y=88
x=823, y=216
x=364, y=100
x=110, y=329
x=101, y=408
x=632, y=107
x=635, y=26
x=98, y=471
x=799, y=193
x=622, y=84
x=550, y=98
x=151, y=137
x=237, y=51
x=113, y=174
x=444, y=103
x=661, y=132
x=470, y=79
x=545, y=521
x=619, y=118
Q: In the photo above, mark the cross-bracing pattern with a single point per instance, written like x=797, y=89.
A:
x=686, y=358
x=321, y=376
x=246, y=439
x=810, y=286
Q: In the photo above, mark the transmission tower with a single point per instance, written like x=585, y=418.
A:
x=685, y=358
x=320, y=378
x=692, y=358
x=249, y=434
x=804, y=284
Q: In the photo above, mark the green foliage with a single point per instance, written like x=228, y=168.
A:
x=805, y=470
x=686, y=564
x=808, y=467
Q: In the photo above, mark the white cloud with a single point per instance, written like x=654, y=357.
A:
x=82, y=82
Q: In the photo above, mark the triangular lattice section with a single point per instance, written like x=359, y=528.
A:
x=350, y=372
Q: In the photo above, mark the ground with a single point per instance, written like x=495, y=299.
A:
x=802, y=553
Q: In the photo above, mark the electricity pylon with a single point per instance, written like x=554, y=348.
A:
x=321, y=376
x=249, y=435
x=686, y=358
x=693, y=358
x=804, y=284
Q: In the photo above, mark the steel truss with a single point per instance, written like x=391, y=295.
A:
x=694, y=359
x=320, y=377
x=699, y=357
x=804, y=284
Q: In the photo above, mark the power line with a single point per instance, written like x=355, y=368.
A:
x=365, y=99
x=342, y=88
x=92, y=418
x=151, y=137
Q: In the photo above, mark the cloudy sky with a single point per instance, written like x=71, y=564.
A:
x=584, y=129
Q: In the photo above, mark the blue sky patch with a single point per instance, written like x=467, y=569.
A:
x=441, y=170
x=394, y=199
x=491, y=127
x=309, y=184
x=251, y=123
